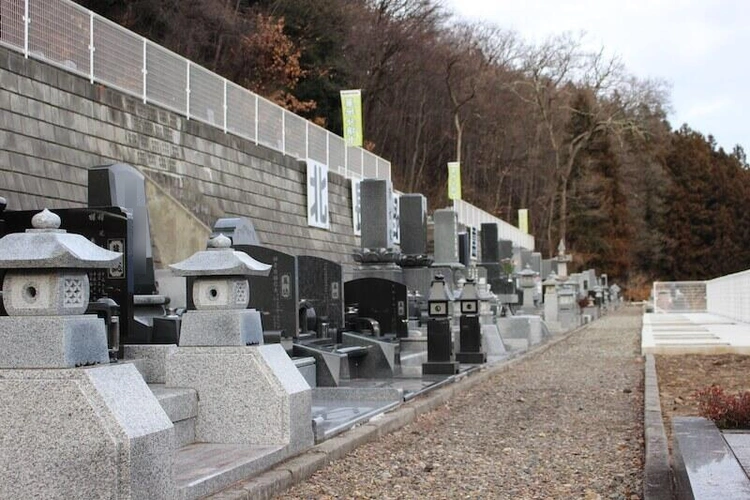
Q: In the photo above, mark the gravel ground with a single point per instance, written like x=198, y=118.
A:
x=564, y=423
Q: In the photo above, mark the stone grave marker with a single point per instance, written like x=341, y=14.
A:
x=382, y=300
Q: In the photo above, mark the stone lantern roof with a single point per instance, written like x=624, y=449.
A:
x=46, y=246
x=220, y=260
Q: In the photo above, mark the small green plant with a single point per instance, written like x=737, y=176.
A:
x=728, y=411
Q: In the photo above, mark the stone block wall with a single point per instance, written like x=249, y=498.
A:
x=55, y=125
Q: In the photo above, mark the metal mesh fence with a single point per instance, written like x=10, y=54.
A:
x=270, y=126
x=295, y=136
x=59, y=33
x=384, y=168
x=679, y=296
x=166, y=78
x=354, y=162
x=316, y=143
x=241, y=111
x=11, y=23
x=206, y=96
x=336, y=154
x=370, y=165
x=118, y=58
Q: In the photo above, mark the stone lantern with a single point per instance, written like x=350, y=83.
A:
x=562, y=260
x=527, y=282
x=549, y=286
x=45, y=293
x=221, y=294
x=440, y=356
x=470, y=329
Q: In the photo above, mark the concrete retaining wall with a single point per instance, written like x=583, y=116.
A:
x=55, y=125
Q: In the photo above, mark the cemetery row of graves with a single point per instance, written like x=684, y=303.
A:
x=126, y=380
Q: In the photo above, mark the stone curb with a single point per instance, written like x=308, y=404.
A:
x=297, y=469
x=657, y=474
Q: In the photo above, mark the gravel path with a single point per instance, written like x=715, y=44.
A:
x=563, y=423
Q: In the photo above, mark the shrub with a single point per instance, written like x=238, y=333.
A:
x=728, y=411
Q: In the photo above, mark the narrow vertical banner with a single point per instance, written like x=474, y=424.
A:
x=351, y=110
x=317, y=195
x=523, y=220
x=454, y=180
x=356, y=208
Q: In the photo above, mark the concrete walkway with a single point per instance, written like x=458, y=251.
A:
x=693, y=333
x=563, y=422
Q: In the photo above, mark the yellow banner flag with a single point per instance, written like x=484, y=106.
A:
x=454, y=180
x=523, y=220
x=351, y=110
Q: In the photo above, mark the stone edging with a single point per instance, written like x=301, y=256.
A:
x=299, y=468
x=657, y=474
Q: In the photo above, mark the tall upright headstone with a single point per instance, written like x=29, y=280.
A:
x=446, y=239
x=490, y=243
x=379, y=253
x=377, y=213
x=413, y=221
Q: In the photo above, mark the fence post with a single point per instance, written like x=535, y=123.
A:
x=91, y=46
x=26, y=22
x=144, y=71
x=362, y=162
x=257, y=119
x=328, y=149
x=187, y=92
x=225, y=105
x=307, y=139
x=283, y=131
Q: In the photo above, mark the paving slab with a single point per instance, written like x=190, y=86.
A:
x=693, y=333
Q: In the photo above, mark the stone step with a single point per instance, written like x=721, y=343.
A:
x=202, y=469
x=181, y=406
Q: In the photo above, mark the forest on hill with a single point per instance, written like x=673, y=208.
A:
x=553, y=127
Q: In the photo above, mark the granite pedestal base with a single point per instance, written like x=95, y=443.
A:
x=221, y=328
x=52, y=341
x=472, y=358
x=83, y=433
x=440, y=368
x=248, y=395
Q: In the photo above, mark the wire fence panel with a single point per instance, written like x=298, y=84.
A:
x=11, y=23
x=206, y=96
x=336, y=154
x=295, y=135
x=240, y=111
x=354, y=163
x=370, y=165
x=469, y=215
x=730, y=296
x=316, y=144
x=384, y=168
x=679, y=296
x=59, y=33
x=118, y=57
x=166, y=78
x=270, y=125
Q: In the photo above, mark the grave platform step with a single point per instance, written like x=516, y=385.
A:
x=202, y=469
x=181, y=406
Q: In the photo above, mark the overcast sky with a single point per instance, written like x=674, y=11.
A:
x=700, y=47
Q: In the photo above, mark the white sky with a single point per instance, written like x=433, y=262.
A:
x=700, y=47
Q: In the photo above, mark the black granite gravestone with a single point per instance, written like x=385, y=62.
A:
x=490, y=244
x=321, y=285
x=413, y=220
x=382, y=300
x=505, y=248
x=377, y=213
x=122, y=185
x=276, y=295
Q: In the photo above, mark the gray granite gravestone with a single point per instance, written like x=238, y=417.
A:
x=240, y=230
x=446, y=239
x=536, y=262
